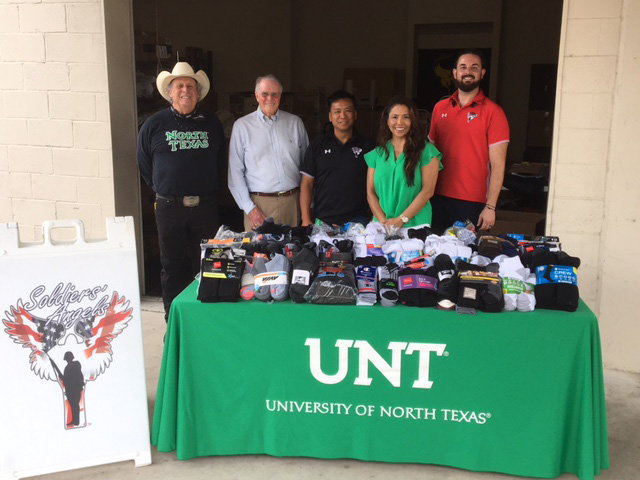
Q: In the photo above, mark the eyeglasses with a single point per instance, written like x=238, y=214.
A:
x=267, y=95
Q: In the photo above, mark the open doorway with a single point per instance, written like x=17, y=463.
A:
x=374, y=48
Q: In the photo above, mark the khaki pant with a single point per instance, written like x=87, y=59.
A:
x=282, y=209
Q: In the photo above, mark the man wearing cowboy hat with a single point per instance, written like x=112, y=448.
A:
x=265, y=152
x=179, y=151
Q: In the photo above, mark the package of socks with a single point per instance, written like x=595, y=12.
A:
x=388, y=285
x=335, y=284
x=491, y=246
x=518, y=295
x=479, y=288
x=447, y=282
x=271, y=279
x=305, y=265
x=556, y=279
x=418, y=287
x=339, y=251
x=367, y=278
x=219, y=279
x=229, y=239
x=529, y=243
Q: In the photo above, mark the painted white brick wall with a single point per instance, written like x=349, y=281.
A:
x=11, y=76
x=618, y=276
x=30, y=159
x=4, y=158
x=22, y=47
x=9, y=19
x=594, y=203
x=72, y=105
x=588, y=68
x=55, y=142
x=42, y=18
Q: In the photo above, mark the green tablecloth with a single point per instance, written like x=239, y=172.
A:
x=518, y=393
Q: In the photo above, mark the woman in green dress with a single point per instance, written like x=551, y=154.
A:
x=403, y=168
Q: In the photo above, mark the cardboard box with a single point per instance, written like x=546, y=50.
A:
x=529, y=168
x=526, y=223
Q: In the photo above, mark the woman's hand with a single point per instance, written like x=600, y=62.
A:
x=394, y=222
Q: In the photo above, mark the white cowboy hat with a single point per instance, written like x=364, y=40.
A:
x=182, y=69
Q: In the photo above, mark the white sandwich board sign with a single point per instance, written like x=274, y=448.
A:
x=71, y=358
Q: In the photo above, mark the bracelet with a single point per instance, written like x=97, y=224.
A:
x=490, y=207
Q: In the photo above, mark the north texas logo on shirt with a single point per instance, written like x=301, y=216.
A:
x=356, y=151
x=471, y=116
x=187, y=140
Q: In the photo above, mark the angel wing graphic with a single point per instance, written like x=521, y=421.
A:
x=86, y=359
x=35, y=333
x=98, y=354
x=41, y=335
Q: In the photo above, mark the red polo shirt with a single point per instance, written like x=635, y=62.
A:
x=464, y=136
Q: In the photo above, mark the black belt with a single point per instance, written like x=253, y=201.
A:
x=187, y=201
x=277, y=194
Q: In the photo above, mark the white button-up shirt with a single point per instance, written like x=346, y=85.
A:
x=265, y=155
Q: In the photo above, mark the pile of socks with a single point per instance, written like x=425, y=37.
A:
x=414, y=267
x=422, y=233
x=270, y=227
x=398, y=251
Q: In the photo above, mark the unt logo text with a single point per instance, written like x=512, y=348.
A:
x=367, y=355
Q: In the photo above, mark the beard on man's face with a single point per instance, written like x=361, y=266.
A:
x=466, y=86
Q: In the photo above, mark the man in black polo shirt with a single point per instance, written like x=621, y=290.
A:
x=334, y=173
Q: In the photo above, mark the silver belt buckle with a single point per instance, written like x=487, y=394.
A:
x=191, y=201
x=282, y=193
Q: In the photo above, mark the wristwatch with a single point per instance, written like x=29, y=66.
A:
x=404, y=218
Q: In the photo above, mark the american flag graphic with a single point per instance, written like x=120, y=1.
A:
x=46, y=339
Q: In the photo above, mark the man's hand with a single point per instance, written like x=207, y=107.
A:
x=256, y=217
x=487, y=219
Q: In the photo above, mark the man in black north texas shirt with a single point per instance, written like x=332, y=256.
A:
x=179, y=150
x=334, y=173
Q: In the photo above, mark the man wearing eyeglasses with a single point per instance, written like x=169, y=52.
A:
x=265, y=152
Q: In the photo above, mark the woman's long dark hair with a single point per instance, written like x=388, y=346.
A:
x=416, y=138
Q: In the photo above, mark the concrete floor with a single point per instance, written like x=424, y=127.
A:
x=623, y=408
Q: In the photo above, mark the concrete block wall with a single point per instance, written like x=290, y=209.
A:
x=55, y=141
x=584, y=108
x=594, y=203
x=620, y=262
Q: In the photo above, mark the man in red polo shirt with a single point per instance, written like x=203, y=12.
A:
x=472, y=133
